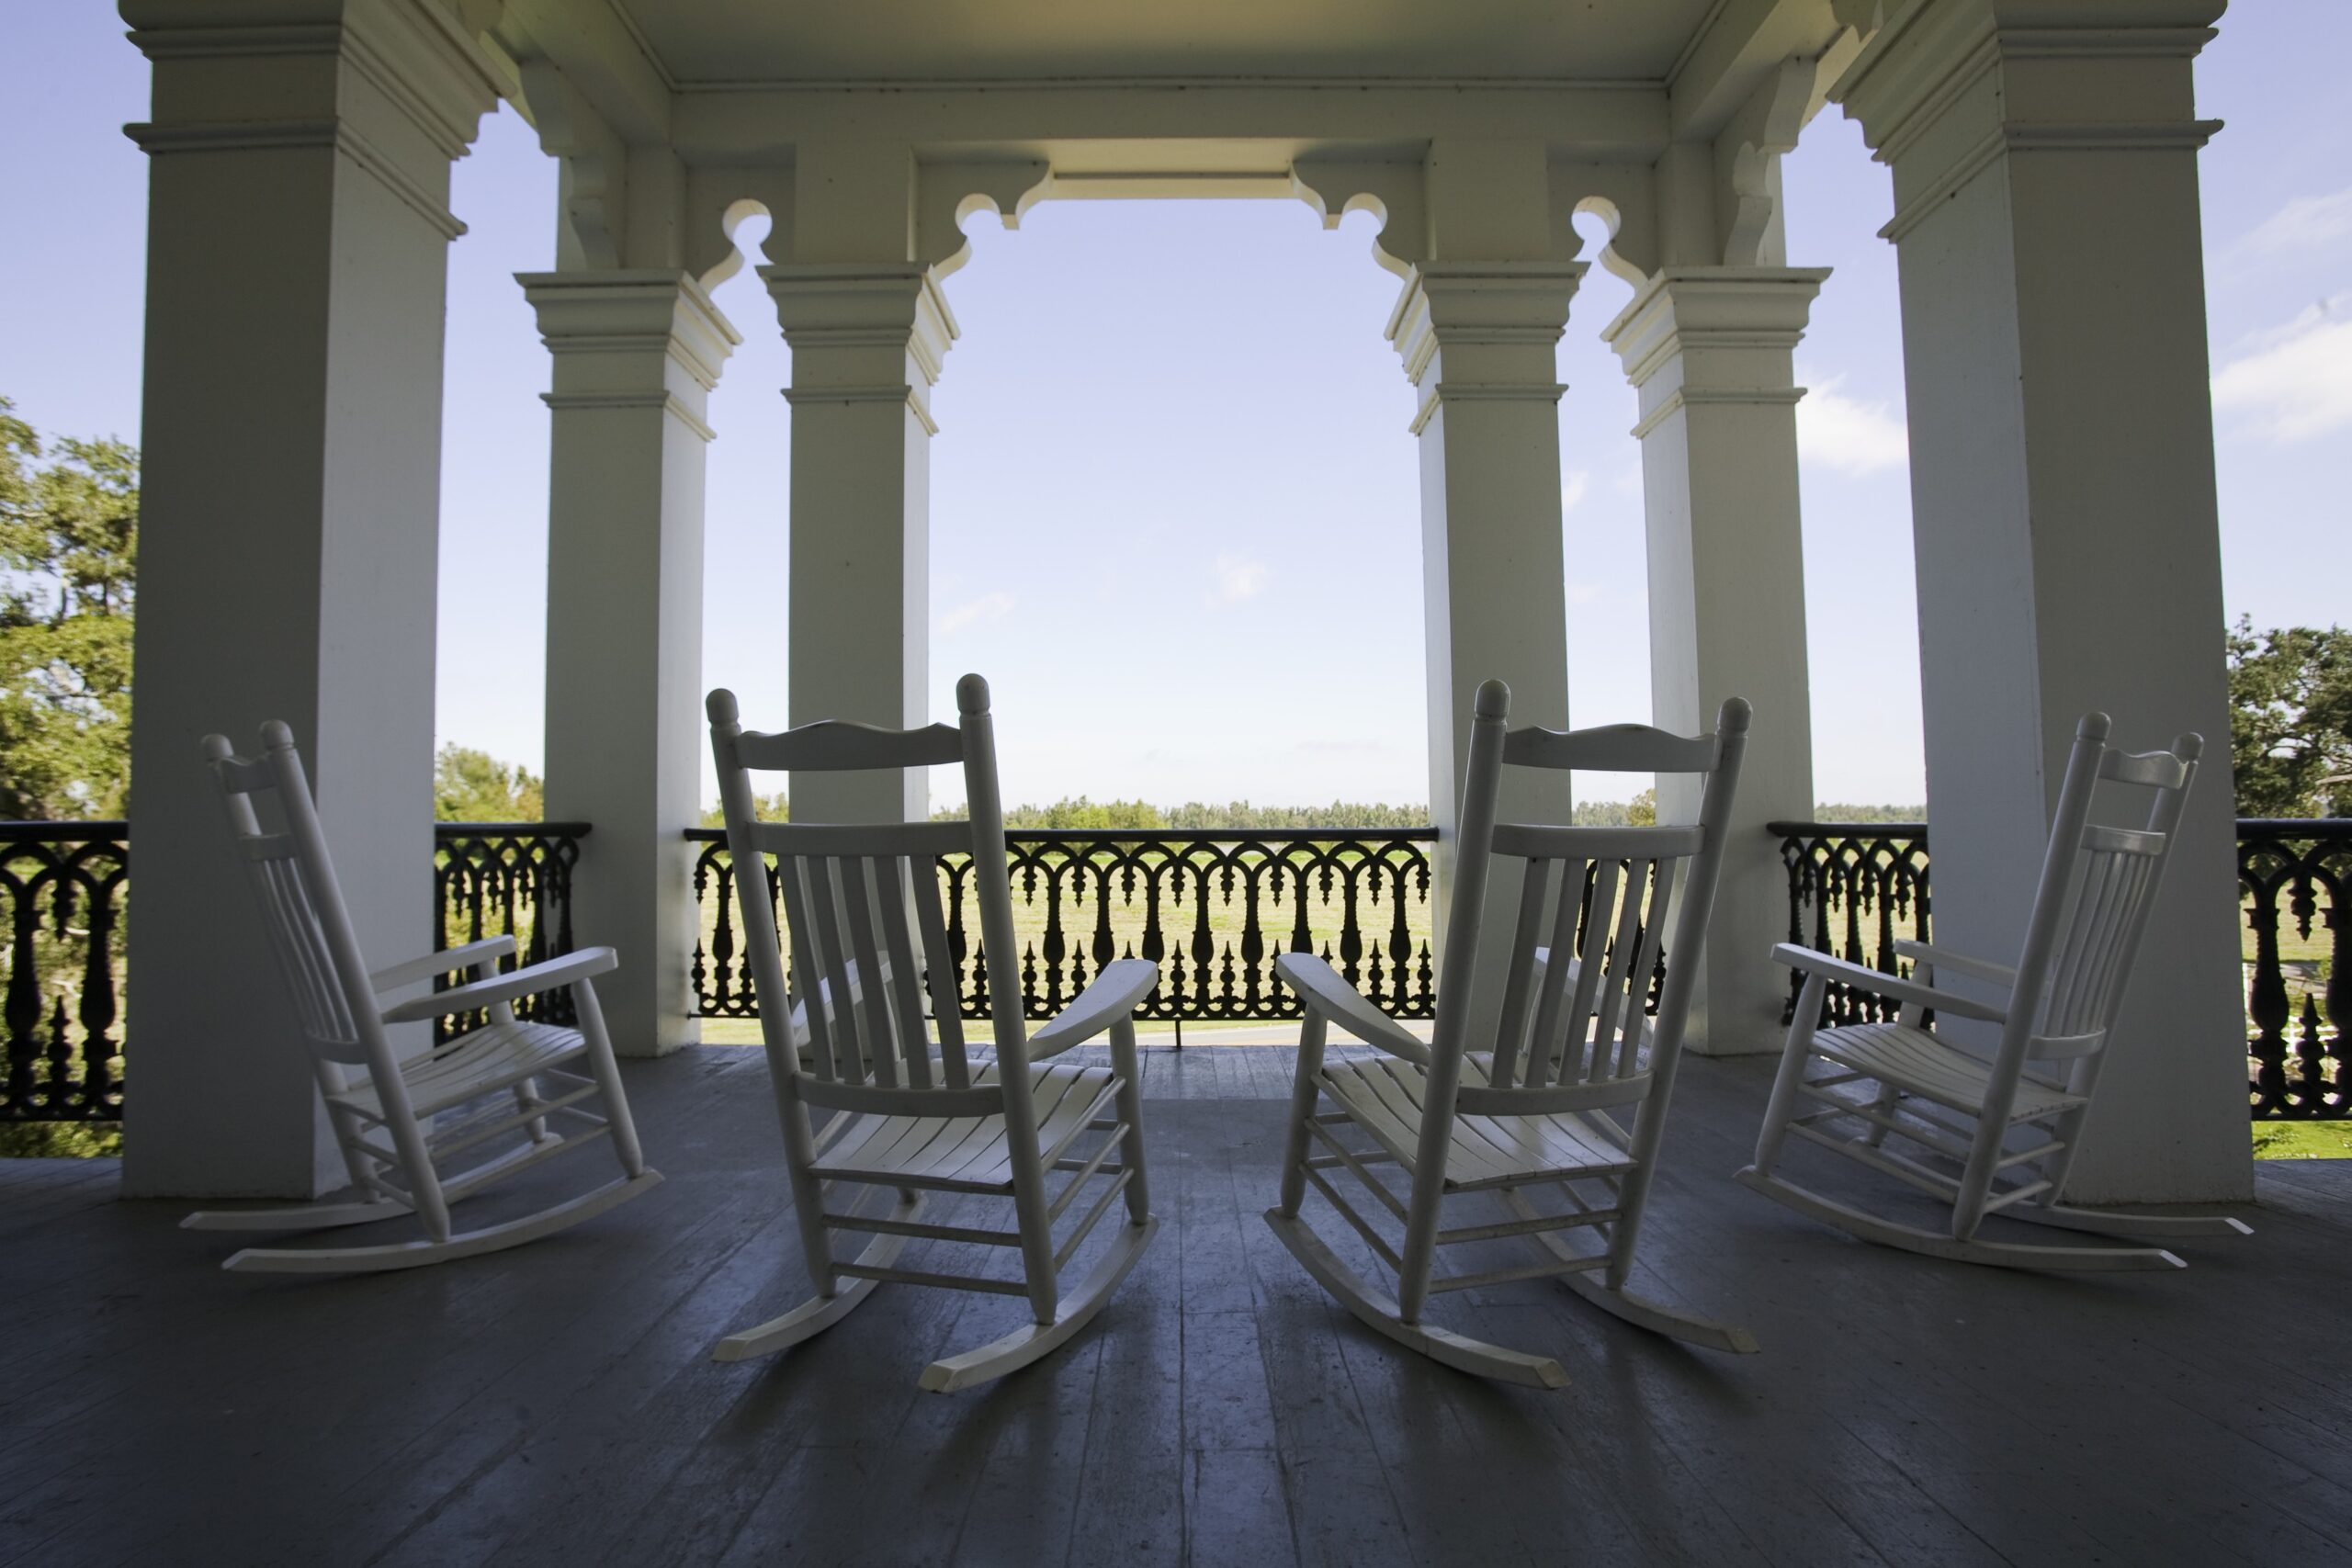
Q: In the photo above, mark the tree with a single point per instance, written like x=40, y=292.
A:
x=474, y=786
x=2291, y=720
x=766, y=808
x=69, y=546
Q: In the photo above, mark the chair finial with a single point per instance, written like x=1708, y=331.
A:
x=721, y=705
x=1734, y=716
x=217, y=749
x=972, y=696
x=2188, y=746
x=1494, y=700
x=2093, y=726
x=278, y=734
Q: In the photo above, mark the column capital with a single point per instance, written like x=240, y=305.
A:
x=631, y=338
x=1751, y=316
x=873, y=333
x=1949, y=86
x=398, y=89
x=1482, y=331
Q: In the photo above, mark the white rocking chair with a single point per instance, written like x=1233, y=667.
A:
x=2016, y=1118
x=912, y=1112
x=1573, y=1058
x=397, y=1120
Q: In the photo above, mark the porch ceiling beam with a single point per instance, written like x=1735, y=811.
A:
x=760, y=123
x=1740, y=44
x=603, y=57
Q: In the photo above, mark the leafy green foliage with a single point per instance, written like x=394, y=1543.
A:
x=2291, y=720
x=474, y=786
x=769, y=808
x=69, y=546
x=1639, y=812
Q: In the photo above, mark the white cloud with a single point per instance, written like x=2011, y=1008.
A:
x=1849, y=434
x=1237, y=578
x=2294, y=382
x=1583, y=593
x=2306, y=223
x=973, y=612
x=1573, y=484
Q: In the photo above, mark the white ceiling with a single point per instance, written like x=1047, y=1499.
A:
x=864, y=41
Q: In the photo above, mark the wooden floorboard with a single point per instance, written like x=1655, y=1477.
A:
x=558, y=1405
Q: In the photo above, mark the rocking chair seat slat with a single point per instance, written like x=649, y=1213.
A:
x=1917, y=1061
x=1386, y=1096
x=964, y=1154
x=491, y=1057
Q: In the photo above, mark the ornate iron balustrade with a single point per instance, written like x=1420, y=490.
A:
x=1846, y=879
x=1213, y=906
x=1854, y=887
x=505, y=879
x=2304, y=869
x=62, y=885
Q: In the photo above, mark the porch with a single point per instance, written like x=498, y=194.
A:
x=558, y=1403
x=2044, y=187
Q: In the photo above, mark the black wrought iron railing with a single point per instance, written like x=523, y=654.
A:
x=2298, y=996
x=62, y=893
x=505, y=879
x=1212, y=906
x=1855, y=887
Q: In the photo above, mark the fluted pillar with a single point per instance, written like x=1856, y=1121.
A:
x=1708, y=351
x=2063, y=505
x=635, y=355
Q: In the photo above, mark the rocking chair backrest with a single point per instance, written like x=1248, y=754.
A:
x=2098, y=888
x=1601, y=899
x=309, y=928
x=862, y=906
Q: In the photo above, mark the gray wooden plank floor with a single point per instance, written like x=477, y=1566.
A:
x=556, y=1405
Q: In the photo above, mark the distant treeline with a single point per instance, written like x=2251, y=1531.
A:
x=1142, y=816
x=1839, y=812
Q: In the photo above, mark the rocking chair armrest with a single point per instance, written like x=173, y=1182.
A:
x=1332, y=999
x=1111, y=999
x=555, y=973
x=1944, y=959
x=1878, y=982
x=448, y=961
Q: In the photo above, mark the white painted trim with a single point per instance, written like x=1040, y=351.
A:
x=666, y=400
x=254, y=136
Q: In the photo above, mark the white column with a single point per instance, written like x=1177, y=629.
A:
x=297, y=247
x=2062, y=504
x=1708, y=351
x=866, y=344
x=1478, y=340
x=636, y=356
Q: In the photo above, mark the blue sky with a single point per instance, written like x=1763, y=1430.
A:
x=1173, y=493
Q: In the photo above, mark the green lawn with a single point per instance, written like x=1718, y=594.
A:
x=2302, y=1140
